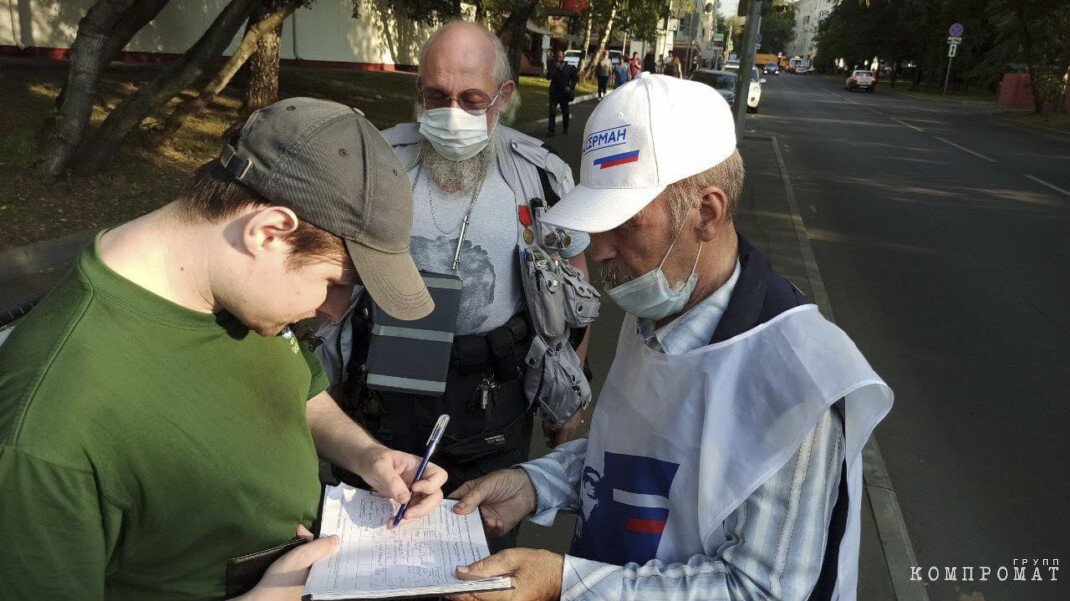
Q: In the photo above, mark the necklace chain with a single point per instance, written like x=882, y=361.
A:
x=434, y=218
x=484, y=172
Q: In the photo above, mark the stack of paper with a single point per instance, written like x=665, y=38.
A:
x=416, y=560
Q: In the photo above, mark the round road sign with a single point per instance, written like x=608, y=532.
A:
x=956, y=30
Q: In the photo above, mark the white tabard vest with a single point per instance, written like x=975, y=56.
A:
x=679, y=442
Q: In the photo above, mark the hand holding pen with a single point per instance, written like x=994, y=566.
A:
x=432, y=443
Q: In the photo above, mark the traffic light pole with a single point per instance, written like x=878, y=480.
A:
x=746, y=62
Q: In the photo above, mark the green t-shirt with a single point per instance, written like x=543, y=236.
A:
x=143, y=444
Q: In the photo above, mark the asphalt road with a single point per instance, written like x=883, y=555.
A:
x=941, y=232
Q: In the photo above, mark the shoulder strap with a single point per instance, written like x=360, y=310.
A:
x=548, y=193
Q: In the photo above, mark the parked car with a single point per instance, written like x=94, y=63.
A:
x=771, y=69
x=614, y=57
x=572, y=57
x=725, y=84
x=754, y=95
x=861, y=79
x=722, y=81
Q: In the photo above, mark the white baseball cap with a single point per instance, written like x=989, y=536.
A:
x=651, y=132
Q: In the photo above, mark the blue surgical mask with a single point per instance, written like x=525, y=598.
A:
x=649, y=296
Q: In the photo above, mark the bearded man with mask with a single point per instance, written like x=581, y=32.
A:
x=462, y=162
x=724, y=460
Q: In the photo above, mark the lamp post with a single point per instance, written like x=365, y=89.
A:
x=746, y=62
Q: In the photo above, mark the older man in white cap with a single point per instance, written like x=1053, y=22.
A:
x=724, y=460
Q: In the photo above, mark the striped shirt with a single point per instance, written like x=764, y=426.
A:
x=775, y=540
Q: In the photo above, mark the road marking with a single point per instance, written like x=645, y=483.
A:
x=964, y=149
x=913, y=127
x=1044, y=183
x=891, y=528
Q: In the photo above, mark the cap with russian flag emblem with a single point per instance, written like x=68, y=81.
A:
x=647, y=134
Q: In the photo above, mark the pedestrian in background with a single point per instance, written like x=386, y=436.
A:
x=671, y=69
x=675, y=68
x=620, y=75
x=661, y=64
x=634, y=66
x=605, y=66
x=563, y=79
x=649, y=64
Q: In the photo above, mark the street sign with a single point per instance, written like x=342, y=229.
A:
x=956, y=30
x=954, y=41
x=951, y=52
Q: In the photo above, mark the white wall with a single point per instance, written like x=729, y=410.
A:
x=326, y=32
x=808, y=13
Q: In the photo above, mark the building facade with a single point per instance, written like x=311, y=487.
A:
x=328, y=33
x=808, y=13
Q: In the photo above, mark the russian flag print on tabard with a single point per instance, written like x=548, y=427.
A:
x=625, y=510
x=617, y=159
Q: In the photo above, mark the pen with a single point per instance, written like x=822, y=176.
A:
x=432, y=442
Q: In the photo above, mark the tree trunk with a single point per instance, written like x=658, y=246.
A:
x=512, y=33
x=1030, y=59
x=102, y=33
x=193, y=106
x=103, y=145
x=263, y=86
x=603, y=41
x=585, y=57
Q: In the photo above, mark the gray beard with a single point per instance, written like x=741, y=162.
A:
x=613, y=274
x=458, y=176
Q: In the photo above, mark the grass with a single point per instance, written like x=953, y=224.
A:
x=1059, y=121
x=535, y=95
x=145, y=176
x=938, y=93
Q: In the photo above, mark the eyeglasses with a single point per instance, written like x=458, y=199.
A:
x=473, y=101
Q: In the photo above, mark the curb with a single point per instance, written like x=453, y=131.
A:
x=576, y=100
x=1002, y=118
x=42, y=256
x=891, y=528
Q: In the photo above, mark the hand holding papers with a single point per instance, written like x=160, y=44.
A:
x=374, y=562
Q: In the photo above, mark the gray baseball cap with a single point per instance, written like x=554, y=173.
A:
x=330, y=165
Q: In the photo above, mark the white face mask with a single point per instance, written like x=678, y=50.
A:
x=649, y=296
x=454, y=133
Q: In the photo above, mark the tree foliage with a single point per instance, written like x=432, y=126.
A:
x=1000, y=35
x=778, y=27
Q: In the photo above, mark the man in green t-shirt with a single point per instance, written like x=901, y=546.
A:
x=158, y=418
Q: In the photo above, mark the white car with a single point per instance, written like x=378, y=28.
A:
x=861, y=79
x=725, y=84
x=572, y=57
x=754, y=95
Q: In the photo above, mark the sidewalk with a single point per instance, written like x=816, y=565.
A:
x=766, y=219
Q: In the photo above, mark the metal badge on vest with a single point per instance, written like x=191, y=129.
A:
x=559, y=300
